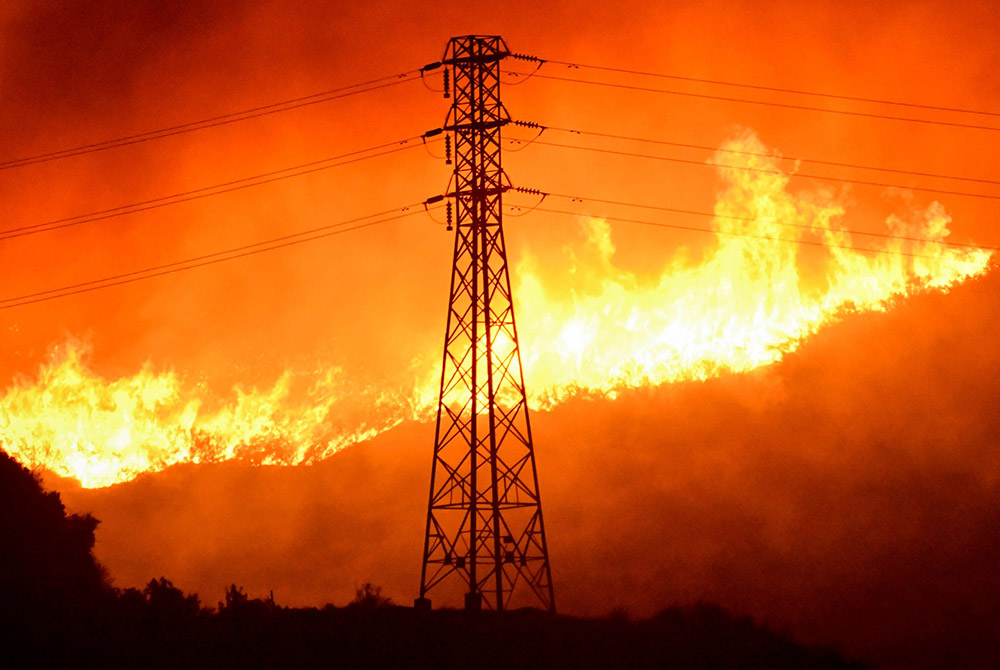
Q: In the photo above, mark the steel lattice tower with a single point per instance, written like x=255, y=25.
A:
x=484, y=517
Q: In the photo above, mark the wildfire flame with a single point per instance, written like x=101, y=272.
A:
x=78, y=424
x=744, y=305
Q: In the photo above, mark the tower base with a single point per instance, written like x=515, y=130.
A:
x=473, y=602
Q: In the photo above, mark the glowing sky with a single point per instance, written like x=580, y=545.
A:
x=360, y=316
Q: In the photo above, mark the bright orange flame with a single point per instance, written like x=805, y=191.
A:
x=742, y=307
x=78, y=424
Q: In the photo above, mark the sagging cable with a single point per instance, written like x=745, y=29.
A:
x=434, y=133
x=434, y=200
x=522, y=211
x=539, y=62
x=522, y=144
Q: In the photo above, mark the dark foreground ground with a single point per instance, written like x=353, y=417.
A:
x=256, y=634
x=59, y=610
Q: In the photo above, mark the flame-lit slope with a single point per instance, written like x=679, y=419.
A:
x=749, y=300
x=849, y=493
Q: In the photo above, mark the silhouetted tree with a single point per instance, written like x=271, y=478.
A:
x=235, y=597
x=238, y=603
x=57, y=610
x=368, y=596
x=167, y=602
x=52, y=590
x=44, y=553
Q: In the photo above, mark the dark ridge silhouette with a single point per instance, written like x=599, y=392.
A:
x=58, y=609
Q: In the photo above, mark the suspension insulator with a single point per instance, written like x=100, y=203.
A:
x=447, y=149
x=447, y=84
x=447, y=215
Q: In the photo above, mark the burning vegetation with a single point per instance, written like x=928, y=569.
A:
x=756, y=293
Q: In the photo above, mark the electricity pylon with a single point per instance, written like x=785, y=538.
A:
x=484, y=517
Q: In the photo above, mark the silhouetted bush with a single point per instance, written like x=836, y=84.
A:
x=53, y=594
x=46, y=553
x=368, y=596
x=58, y=610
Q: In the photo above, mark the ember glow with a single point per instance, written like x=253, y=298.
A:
x=753, y=296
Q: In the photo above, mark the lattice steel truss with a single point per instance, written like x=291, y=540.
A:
x=484, y=517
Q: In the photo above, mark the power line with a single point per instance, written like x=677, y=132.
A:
x=750, y=219
x=216, y=189
x=224, y=119
x=575, y=131
x=687, y=161
x=706, y=96
x=212, y=258
x=775, y=89
x=813, y=243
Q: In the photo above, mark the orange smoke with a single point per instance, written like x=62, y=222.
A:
x=753, y=297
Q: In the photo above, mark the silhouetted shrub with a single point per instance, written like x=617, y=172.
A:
x=57, y=610
x=46, y=554
x=368, y=596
